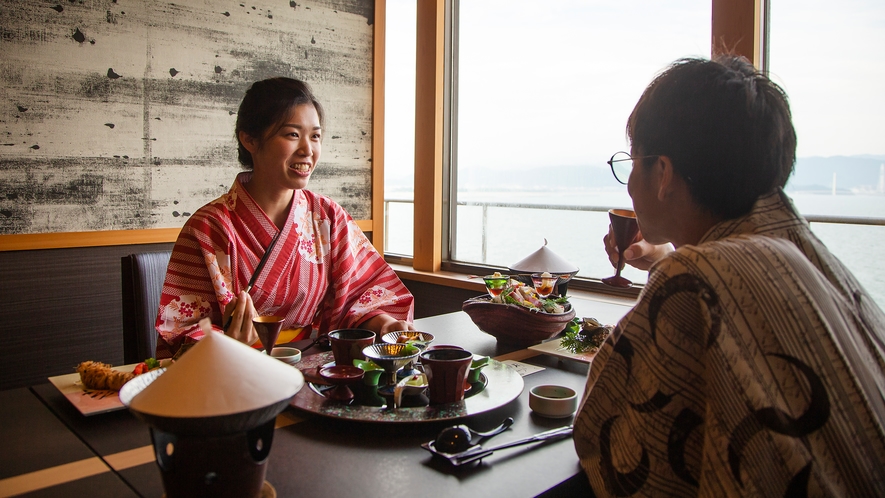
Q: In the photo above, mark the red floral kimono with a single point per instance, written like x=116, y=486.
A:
x=322, y=273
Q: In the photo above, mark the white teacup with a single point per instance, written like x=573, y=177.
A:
x=553, y=401
x=286, y=355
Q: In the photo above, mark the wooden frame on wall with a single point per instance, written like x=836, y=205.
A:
x=52, y=240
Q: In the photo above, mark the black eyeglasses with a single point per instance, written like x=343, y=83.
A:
x=622, y=164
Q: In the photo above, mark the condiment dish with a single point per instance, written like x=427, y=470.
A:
x=286, y=355
x=553, y=401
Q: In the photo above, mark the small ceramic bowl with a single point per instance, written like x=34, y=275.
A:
x=443, y=346
x=553, y=401
x=286, y=355
x=421, y=339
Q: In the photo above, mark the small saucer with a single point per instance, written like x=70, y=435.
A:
x=340, y=377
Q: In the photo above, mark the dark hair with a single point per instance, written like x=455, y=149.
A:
x=266, y=104
x=726, y=127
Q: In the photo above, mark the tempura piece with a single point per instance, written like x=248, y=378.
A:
x=97, y=375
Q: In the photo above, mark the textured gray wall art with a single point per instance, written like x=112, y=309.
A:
x=119, y=114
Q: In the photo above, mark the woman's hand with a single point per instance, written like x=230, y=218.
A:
x=384, y=323
x=639, y=255
x=243, y=311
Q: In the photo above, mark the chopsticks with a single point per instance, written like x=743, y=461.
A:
x=255, y=275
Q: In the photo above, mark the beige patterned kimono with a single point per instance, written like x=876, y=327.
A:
x=752, y=365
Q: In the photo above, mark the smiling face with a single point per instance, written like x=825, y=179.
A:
x=285, y=158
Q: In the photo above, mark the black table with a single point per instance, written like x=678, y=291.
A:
x=320, y=456
x=42, y=457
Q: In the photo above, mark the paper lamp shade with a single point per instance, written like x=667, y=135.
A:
x=218, y=377
x=544, y=259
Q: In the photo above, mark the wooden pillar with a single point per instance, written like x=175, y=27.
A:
x=380, y=37
x=429, y=84
x=737, y=28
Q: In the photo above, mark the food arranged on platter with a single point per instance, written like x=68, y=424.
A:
x=519, y=316
x=520, y=294
x=101, y=376
x=406, y=338
x=413, y=337
x=585, y=335
x=94, y=386
x=496, y=385
x=394, y=377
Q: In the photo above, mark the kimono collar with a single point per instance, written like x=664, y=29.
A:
x=772, y=209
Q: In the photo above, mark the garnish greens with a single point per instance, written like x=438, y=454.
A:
x=587, y=335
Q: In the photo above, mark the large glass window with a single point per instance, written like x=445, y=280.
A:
x=829, y=59
x=544, y=91
x=543, y=95
x=399, y=126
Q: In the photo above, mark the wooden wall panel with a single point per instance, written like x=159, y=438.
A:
x=60, y=307
x=119, y=115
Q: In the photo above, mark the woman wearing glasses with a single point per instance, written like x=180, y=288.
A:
x=752, y=363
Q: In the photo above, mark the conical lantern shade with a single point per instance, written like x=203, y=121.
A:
x=219, y=378
x=544, y=259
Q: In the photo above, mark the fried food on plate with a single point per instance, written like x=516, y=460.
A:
x=97, y=375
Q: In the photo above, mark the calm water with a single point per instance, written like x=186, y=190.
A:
x=512, y=233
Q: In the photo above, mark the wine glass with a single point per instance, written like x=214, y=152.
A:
x=544, y=283
x=268, y=328
x=496, y=284
x=625, y=228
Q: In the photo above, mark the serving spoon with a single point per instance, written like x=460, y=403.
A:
x=458, y=438
x=477, y=452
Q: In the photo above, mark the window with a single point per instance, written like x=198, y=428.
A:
x=399, y=126
x=830, y=62
x=543, y=95
x=544, y=90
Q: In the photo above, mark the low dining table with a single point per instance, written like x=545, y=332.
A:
x=51, y=449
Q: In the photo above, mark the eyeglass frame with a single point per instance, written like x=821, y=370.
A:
x=611, y=163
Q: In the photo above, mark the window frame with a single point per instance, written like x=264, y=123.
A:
x=738, y=26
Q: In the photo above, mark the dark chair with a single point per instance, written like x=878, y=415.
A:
x=143, y=276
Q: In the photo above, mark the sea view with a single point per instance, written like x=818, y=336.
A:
x=513, y=233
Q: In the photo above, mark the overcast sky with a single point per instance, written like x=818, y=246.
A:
x=553, y=83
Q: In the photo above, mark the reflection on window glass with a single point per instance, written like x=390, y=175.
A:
x=835, y=87
x=399, y=126
x=544, y=92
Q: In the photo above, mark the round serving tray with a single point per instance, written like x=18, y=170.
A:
x=503, y=385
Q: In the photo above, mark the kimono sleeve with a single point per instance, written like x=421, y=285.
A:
x=363, y=285
x=198, y=283
x=648, y=396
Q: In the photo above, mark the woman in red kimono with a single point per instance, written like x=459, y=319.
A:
x=322, y=272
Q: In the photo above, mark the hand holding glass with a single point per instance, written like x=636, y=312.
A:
x=625, y=228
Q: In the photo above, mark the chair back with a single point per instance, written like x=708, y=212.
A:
x=143, y=275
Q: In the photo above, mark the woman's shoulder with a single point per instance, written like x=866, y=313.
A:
x=214, y=216
x=324, y=203
x=317, y=198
